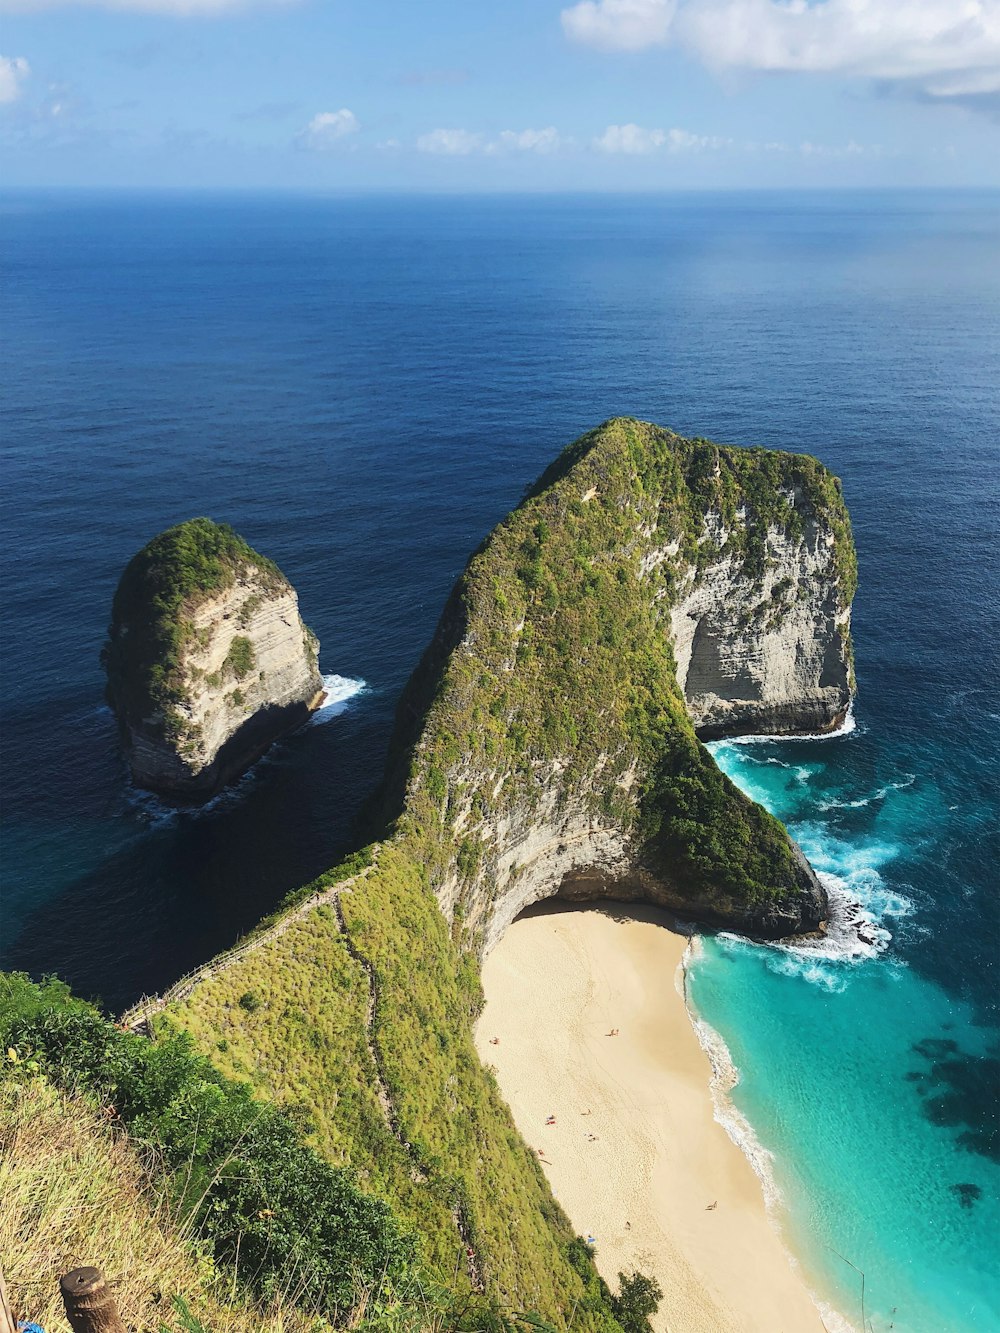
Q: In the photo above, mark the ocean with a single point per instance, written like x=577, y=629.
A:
x=363, y=387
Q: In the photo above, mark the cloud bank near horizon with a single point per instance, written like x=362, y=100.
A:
x=940, y=49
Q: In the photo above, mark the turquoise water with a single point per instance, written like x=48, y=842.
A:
x=858, y=1074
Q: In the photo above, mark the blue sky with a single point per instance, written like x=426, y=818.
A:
x=500, y=94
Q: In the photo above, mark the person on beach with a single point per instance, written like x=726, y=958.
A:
x=551, y=1120
x=613, y=1032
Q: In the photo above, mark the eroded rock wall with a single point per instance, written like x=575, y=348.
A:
x=250, y=675
x=208, y=660
x=767, y=654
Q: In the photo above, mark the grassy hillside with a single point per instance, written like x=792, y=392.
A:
x=292, y=1020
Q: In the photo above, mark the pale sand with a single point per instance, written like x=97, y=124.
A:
x=555, y=985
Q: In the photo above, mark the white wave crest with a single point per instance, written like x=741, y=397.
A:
x=725, y=1077
x=856, y=932
x=340, y=690
x=862, y=801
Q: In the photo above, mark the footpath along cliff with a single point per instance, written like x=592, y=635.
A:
x=208, y=660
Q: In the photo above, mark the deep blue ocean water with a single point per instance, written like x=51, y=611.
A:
x=363, y=387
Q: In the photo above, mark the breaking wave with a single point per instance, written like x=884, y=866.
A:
x=340, y=690
x=848, y=725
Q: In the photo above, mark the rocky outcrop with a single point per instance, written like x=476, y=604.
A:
x=547, y=745
x=208, y=660
x=765, y=654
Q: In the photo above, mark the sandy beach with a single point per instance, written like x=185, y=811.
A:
x=635, y=1155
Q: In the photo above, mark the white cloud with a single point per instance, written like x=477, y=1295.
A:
x=13, y=72
x=530, y=141
x=450, y=143
x=328, y=128
x=634, y=140
x=620, y=25
x=943, y=48
x=629, y=139
x=462, y=143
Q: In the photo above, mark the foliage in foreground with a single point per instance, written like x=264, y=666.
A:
x=269, y=1209
x=77, y=1191
x=203, y=1205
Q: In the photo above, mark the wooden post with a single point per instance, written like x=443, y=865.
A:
x=7, y=1324
x=90, y=1306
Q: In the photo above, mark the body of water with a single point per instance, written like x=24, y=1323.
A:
x=363, y=387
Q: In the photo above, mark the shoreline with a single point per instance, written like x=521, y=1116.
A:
x=640, y=1154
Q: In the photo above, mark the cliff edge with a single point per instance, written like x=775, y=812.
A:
x=208, y=660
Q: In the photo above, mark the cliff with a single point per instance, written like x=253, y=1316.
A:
x=208, y=660
x=649, y=586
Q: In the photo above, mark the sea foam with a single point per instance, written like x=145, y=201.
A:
x=725, y=1077
x=848, y=725
x=340, y=690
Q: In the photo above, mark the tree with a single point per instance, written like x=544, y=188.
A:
x=638, y=1297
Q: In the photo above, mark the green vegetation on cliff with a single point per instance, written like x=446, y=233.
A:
x=461, y=1177
x=149, y=627
x=554, y=651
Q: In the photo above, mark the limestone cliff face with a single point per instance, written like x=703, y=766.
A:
x=649, y=586
x=768, y=654
x=208, y=660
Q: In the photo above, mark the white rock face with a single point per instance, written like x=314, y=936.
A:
x=765, y=656
x=250, y=675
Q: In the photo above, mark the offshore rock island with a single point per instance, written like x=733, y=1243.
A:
x=208, y=660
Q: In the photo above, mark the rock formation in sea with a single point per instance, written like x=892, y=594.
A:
x=649, y=591
x=208, y=660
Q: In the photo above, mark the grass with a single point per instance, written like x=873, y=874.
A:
x=304, y=1045
x=77, y=1192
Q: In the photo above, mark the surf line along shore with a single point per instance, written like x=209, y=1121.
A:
x=598, y=1060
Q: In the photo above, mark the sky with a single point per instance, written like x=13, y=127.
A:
x=500, y=95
